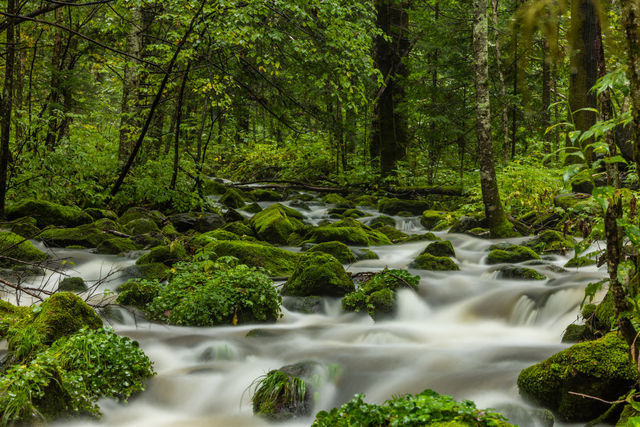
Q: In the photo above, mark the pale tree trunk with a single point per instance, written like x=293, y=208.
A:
x=503, y=85
x=631, y=22
x=496, y=218
x=131, y=102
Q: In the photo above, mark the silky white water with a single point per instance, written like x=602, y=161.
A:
x=464, y=333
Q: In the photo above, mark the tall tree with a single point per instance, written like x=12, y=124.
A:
x=494, y=212
x=631, y=23
x=7, y=102
x=389, y=134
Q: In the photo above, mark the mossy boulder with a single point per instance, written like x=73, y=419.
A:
x=116, y=246
x=441, y=248
x=152, y=271
x=72, y=284
x=204, y=239
x=549, y=241
x=138, y=212
x=430, y=219
x=348, y=231
x=138, y=293
x=265, y=195
x=10, y=315
x=167, y=255
x=395, y=206
x=239, y=228
x=519, y=273
x=578, y=203
x=253, y=208
x=198, y=221
x=395, y=235
x=26, y=227
x=97, y=214
x=47, y=213
x=338, y=200
x=511, y=254
x=232, y=199
x=106, y=224
x=367, y=200
x=581, y=261
x=141, y=226
x=434, y=263
x=600, y=368
x=353, y=213
x=61, y=315
x=381, y=221
x=339, y=250
x=465, y=224
x=14, y=248
x=86, y=236
x=421, y=237
x=276, y=223
x=318, y=274
x=276, y=261
x=211, y=187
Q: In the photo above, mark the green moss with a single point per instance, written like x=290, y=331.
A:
x=396, y=206
x=339, y=250
x=367, y=200
x=434, y=263
x=395, y=235
x=348, y=231
x=232, y=199
x=47, y=213
x=239, y=228
x=97, y=214
x=252, y=208
x=141, y=226
x=167, y=255
x=138, y=293
x=549, y=241
x=421, y=237
x=519, y=273
x=599, y=368
x=276, y=223
x=136, y=212
x=276, y=261
x=265, y=195
x=381, y=221
x=627, y=413
x=581, y=261
x=511, y=254
x=14, y=248
x=26, y=227
x=442, y=248
x=338, y=200
x=431, y=219
x=86, y=236
x=170, y=232
x=72, y=284
x=154, y=270
x=10, y=315
x=211, y=186
x=204, y=239
x=576, y=333
x=116, y=245
x=364, y=254
x=605, y=313
x=318, y=274
x=503, y=230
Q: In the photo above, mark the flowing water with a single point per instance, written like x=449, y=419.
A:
x=465, y=333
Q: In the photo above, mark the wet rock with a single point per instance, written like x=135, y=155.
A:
x=308, y=305
x=232, y=215
x=381, y=221
x=155, y=270
x=232, y=199
x=519, y=273
x=276, y=223
x=14, y=248
x=47, y=213
x=116, y=245
x=97, y=214
x=364, y=254
x=395, y=235
x=511, y=254
x=26, y=227
x=318, y=274
x=283, y=394
x=86, y=236
x=141, y=226
x=465, y=223
x=431, y=219
x=348, y=231
x=137, y=293
x=434, y=263
x=252, y=208
x=266, y=195
x=72, y=284
x=549, y=241
x=211, y=187
x=338, y=200
x=395, y=206
x=581, y=261
x=277, y=262
x=167, y=255
x=339, y=250
x=239, y=228
x=442, y=248
x=600, y=368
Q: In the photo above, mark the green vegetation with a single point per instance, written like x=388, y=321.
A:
x=319, y=274
x=279, y=396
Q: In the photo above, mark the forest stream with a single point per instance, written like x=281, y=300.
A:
x=466, y=333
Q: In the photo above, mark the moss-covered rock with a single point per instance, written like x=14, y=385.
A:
x=600, y=368
x=381, y=221
x=10, y=315
x=338, y=200
x=97, y=214
x=86, y=236
x=167, y=255
x=395, y=235
x=276, y=223
x=442, y=248
x=170, y=232
x=72, y=284
x=367, y=200
x=266, y=195
x=14, y=248
x=318, y=274
x=276, y=261
x=430, y=218
x=422, y=237
x=138, y=293
x=198, y=221
x=232, y=199
x=239, y=228
x=519, y=273
x=211, y=187
x=26, y=227
x=434, y=263
x=141, y=226
x=576, y=333
x=348, y=231
x=354, y=213
x=549, y=241
x=364, y=254
x=465, y=223
x=150, y=240
x=138, y=212
x=511, y=254
x=152, y=271
x=395, y=206
x=577, y=203
x=116, y=245
x=581, y=261
x=47, y=213
x=253, y=208
x=339, y=250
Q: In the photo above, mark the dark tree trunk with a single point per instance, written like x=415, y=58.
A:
x=176, y=145
x=546, y=92
x=631, y=22
x=7, y=104
x=390, y=125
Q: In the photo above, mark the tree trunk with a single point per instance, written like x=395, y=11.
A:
x=496, y=219
x=583, y=65
x=390, y=124
x=631, y=22
x=7, y=104
x=503, y=85
x=545, y=114
x=176, y=146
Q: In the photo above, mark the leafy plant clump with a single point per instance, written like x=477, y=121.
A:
x=426, y=408
x=279, y=395
x=69, y=377
x=209, y=293
x=377, y=295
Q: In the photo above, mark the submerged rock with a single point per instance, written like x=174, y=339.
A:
x=318, y=274
x=600, y=368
